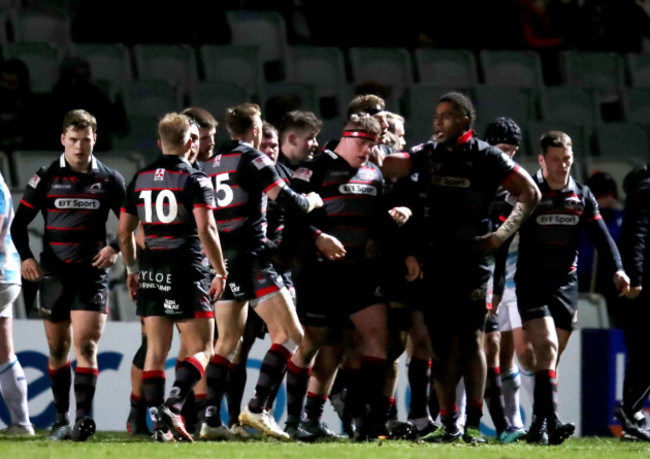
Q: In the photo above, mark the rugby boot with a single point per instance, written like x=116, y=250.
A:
x=511, y=435
x=441, y=435
x=401, y=430
x=263, y=422
x=174, y=423
x=220, y=433
x=19, y=430
x=472, y=436
x=634, y=428
x=318, y=430
x=240, y=432
x=296, y=432
x=558, y=432
x=82, y=429
x=136, y=423
x=60, y=431
x=537, y=433
x=424, y=426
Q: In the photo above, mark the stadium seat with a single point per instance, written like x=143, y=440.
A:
x=638, y=69
x=446, y=67
x=266, y=30
x=636, y=104
x=521, y=69
x=324, y=69
x=142, y=136
x=569, y=104
x=47, y=25
x=110, y=63
x=151, y=97
x=592, y=70
x=520, y=104
x=237, y=64
x=391, y=67
x=622, y=141
x=175, y=64
x=42, y=59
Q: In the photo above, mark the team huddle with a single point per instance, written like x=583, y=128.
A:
x=347, y=256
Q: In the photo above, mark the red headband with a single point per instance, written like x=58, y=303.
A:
x=360, y=134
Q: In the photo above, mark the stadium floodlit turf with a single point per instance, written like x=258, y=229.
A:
x=121, y=445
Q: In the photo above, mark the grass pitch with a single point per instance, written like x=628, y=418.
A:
x=121, y=445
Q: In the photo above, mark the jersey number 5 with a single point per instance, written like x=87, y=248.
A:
x=220, y=185
x=166, y=207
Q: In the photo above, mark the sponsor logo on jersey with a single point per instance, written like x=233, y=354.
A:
x=61, y=186
x=366, y=174
x=76, y=203
x=262, y=161
x=96, y=186
x=303, y=173
x=33, y=182
x=354, y=188
x=159, y=176
x=217, y=160
x=204, y=182
x=451, y=182
x=557, y=219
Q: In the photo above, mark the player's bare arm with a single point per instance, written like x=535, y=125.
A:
x=521, y=186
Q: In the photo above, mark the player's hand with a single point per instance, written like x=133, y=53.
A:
x=622, y=282
x=400, y=214
x=376, y=156
x=330, y=247
x=132, y=282
x=105, y=258
x=413, y=269
x=217, y=288
x=488, y=243
x=31, y=270
x=496, y=301
x=314, y=200
x=633, y=292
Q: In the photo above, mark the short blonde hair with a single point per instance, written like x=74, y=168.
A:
x=174, y=129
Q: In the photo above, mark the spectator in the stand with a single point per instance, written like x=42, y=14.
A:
x=594, y=271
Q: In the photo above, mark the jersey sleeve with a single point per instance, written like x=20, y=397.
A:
x=130, y=204
x=635, y=230
x=118, y=192
x=201, y=191
x=598, y=232
x=28, y=207
x=259, y=171
x=502, y=165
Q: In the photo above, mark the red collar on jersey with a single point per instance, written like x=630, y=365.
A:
x=464, y=138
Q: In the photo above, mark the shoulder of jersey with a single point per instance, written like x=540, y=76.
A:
x=422, y=146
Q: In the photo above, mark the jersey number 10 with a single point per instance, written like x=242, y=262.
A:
x=166, y=207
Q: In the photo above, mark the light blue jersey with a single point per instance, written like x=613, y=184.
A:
x=9, y=258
